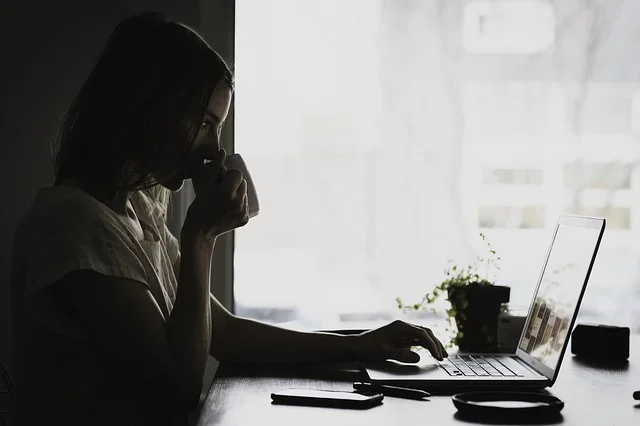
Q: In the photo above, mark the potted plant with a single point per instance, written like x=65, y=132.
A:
x=475, y=302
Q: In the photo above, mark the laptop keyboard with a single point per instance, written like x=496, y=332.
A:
x=468, y=365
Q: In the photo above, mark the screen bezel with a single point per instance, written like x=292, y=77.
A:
x=564, y=220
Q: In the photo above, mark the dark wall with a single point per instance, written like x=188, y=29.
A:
x=47, y=49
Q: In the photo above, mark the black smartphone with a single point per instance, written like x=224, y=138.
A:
x=326, y=398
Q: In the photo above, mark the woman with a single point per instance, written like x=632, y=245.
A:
x=113, y=318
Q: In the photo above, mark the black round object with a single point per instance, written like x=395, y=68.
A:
x=500, y=405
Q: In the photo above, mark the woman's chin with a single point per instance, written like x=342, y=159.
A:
x=174, y=184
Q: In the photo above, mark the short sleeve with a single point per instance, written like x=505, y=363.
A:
x=78, y=237
x=77, y=242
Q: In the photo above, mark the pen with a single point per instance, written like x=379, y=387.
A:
x=391, y=390
x=636, y=395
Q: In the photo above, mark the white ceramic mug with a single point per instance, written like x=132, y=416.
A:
x=235, y=161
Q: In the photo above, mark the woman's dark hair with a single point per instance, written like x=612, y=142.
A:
x=137, y=115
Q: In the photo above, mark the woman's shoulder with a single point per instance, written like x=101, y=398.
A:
x=65, y=202
x=60, y=208
x=58, y=219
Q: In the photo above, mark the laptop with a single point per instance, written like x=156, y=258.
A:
x=545, y=336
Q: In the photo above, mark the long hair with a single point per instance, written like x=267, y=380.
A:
x=137, y=115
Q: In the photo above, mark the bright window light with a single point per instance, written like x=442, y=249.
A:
x=508, y=26
x=381, y=146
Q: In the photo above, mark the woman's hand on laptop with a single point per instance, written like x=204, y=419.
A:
x=394, y=341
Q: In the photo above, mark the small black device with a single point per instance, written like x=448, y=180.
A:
x=600, y=342
x=636, y=395
x=326, y=398
x=394, y=391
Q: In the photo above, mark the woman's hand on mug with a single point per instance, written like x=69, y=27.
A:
x=221, y=203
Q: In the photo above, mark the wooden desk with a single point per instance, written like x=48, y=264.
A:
x=241, y=395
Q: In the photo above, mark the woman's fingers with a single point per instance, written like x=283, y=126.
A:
x=232, y=182
x=207, y=175
x=423, y=338
x=241, y=190
x=431, y=343
x=442, y=348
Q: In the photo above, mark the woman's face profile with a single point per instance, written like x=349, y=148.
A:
x=208, y=139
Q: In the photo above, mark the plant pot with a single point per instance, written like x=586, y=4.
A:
x=477, y=309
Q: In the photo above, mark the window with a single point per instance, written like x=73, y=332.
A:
x=511, y=217
x=508, y=26
x=600, y=108
x=608, y=176
x=617, y=217
x=509, y=107
x=379, y=155
x=601, y=189
x=635, y=112
x=512, y=177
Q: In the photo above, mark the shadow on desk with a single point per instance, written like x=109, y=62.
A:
x=529, y=420
x=342, y=372
x=611, y=366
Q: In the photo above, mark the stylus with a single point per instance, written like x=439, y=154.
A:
x=636, y=395
x=393, y=391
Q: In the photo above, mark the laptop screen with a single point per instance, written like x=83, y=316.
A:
x=556, y=300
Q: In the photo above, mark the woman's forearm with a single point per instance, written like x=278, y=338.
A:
x=189, y=326
x=246, y=340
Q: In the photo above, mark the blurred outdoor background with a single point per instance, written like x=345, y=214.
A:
x=387, y=134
